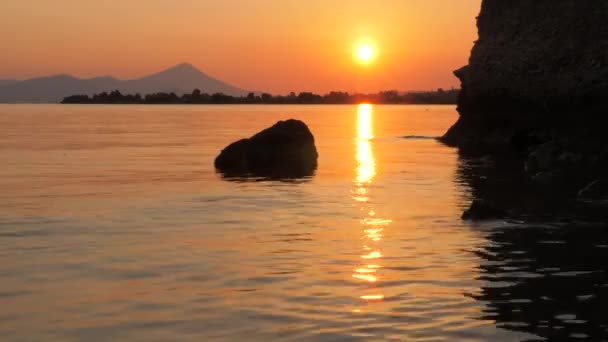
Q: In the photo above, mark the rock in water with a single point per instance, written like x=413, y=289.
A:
x=535, y=91
x=595, y=191
x=285, y=150
x=538, y=67
x=481, y=210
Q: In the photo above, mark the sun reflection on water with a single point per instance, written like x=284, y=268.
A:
x=366, y=169
x=365, y=130
x=373, y=227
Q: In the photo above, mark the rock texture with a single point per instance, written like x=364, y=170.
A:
x=595, y=191
x=536, y=86
x=285, y=150
x=538, y=64
x=481, y=210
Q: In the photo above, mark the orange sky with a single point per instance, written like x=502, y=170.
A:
x=269, y=45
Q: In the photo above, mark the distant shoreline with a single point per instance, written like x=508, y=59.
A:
x=438, y=97
x=235, y=104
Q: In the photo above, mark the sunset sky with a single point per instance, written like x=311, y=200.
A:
x=268, y=45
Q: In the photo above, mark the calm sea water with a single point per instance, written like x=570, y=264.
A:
x=114, y=225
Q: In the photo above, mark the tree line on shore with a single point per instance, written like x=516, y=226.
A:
x=438, y=96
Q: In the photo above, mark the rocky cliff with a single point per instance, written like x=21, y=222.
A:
x=537, y=86
x=537, y=65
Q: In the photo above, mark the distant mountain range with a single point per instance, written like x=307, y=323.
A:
x=180, y=79
x=5, y=82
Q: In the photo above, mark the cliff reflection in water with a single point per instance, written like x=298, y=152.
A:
x=373, y=226
x=547, y=278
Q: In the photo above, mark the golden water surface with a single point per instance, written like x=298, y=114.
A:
x=114, y=225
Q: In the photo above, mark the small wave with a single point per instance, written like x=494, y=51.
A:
x=420, y=137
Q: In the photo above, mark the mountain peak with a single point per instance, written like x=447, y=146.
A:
x=183, y=67
x=180, y=79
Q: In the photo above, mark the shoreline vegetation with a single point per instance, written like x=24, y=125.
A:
x=439, y=96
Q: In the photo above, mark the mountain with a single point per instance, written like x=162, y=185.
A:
x=5, y=82
x=180, y=79
x=53, y=88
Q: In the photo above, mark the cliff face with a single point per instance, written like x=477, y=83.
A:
x=538, y=72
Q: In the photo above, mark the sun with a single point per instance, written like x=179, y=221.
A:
x=365, y=53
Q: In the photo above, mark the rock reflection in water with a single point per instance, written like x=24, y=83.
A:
x=547, y=278
x=501, y=181
x=548, y=281
x=291, y=178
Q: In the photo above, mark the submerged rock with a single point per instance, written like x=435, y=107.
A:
x=483, y=210
x=596, y=190
x=285, y=150
x=543, y=158
x=548, y=178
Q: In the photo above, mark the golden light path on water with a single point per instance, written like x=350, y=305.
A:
x=373, y=227
x=366, y=168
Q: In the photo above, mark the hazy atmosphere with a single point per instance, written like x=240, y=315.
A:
x=266, y=45
x=303, y=170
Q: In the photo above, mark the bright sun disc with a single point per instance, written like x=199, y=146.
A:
x=365, y=53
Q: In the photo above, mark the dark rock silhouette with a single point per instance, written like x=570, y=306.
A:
x=285, y=150
x=596, y=190
x=512, y=195
x=536, y=90
x=542, y=269
x=483, y=210
x=538, y=65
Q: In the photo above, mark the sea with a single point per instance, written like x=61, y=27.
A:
x=115, y=226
